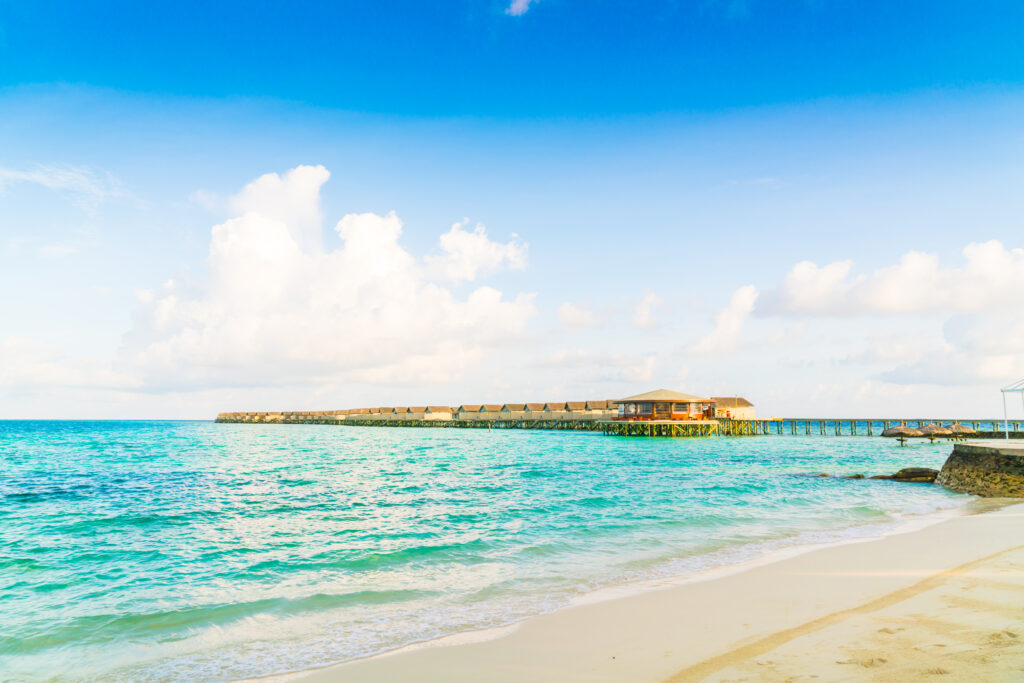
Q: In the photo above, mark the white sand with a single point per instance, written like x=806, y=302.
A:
x=944, y=601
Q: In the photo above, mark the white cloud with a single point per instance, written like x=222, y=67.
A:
x=643, y=314
x=974, y=349
x=577, y=316
x=991, y=277
x=278, y=308
x=86, y=185
x=519, y=7
x=728, y=323
x=292, y=199
x=469, y=254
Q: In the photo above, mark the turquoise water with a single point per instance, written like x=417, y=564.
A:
x=196, y=551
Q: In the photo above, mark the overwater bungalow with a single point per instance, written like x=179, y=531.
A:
x=468, y=412
x=513, y=411
x=555, y=411
x=665, y=405
x=576, y=410
x=438, y=413
x=534, y=411
x=735, y=407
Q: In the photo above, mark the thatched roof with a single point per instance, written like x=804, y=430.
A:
x=440, y=409
x=555, y=407
x=416, y=409
x=467, y=408
x=576, y=405
x=935, y=430
x=599, y=405
x=535, y=407
x=662, y=395
x=958, y=428
x=902, y=431
x=731, y=402
x=514, y=407
x=492, y=407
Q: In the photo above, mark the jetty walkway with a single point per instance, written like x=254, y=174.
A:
x=985, y=428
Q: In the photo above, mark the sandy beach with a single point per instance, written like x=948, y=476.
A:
x=945, y=600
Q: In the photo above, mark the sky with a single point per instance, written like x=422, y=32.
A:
x=303, y=206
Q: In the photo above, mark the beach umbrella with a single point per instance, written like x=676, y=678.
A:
x=934, y=430
x=902, y=433
x=960, y=429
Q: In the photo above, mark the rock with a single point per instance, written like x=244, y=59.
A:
x=881, y=476
x=856, y=476
x=988, y=470
x=924, y=475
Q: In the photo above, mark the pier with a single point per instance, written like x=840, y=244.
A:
x=803, y=426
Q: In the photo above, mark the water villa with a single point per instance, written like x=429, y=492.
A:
x=666, y=406
x=734, y=407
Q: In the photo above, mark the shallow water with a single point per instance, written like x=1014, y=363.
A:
x=200, y=551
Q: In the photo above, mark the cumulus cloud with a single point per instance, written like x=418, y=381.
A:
x=519, y=7
x=990, y=277
x=577, y=316
x=87, y=186
x=728, y=323
x=279, y=307
x=292, y=199
x=467, y=254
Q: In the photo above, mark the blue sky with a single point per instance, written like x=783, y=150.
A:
x=651, y=180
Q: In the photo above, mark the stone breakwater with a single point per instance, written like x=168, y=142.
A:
x=986, y=468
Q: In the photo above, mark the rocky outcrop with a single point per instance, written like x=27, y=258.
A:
x=913, y=475
x=985, y=469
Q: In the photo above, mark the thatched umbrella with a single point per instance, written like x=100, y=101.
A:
x=902, y=433
x=960, y=431
x=934, y=430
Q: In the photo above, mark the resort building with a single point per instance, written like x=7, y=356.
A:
x=438, y=413
x=468, y=412
x=513, y=411
x=576, y=410
x=735, y=407
x=556, y=411
x=534, y=411
x=665, y=405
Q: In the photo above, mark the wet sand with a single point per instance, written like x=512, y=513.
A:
x=945, y=601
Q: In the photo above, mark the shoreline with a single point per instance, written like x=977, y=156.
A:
x=453, y=649
x=502, y=652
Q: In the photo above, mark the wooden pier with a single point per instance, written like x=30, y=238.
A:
x=986, y=428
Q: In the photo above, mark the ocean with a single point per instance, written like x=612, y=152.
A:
x=168, y=551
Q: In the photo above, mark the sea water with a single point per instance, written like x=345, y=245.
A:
x=172, y=551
